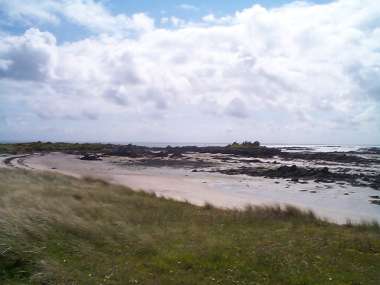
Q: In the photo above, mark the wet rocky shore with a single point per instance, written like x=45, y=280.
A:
x=358, y=168
x=336, y=184
x=296, y=164
x=302, y=174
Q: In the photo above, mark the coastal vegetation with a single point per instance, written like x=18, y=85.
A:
x=18, y=148
x=244, y=149
x=244, y=144
x=56, y=229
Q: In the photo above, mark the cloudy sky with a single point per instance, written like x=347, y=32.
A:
x=194, y=71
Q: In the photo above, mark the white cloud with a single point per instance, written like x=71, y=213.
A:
x=87, y=13
x=188, y=7
x=294, y=68
x=209, y=18
x=237, y=108
x=97, y=18
x=28, y=57
x=31, y=10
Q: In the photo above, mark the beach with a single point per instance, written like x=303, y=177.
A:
x=201, y=178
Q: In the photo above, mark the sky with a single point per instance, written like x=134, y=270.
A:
x=190, y=71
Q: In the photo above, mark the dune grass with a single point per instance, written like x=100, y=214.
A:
x=56, y=229
x=19, y=148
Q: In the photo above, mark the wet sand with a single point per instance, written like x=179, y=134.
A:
x=336, y=202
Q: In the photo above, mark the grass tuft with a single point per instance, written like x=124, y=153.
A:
x=97, y=180
x=56, y=229
x=208, y=206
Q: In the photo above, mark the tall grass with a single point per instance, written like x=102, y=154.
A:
x=61, y=230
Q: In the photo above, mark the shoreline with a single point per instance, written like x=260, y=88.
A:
x=336, y=202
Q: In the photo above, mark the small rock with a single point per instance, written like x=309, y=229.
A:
x=375, y=197
x=90, y=157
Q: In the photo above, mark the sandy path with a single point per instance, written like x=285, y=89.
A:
x=335, y=202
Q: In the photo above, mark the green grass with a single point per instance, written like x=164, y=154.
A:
x=17, y=148
x=244, y=145
x=61, y=230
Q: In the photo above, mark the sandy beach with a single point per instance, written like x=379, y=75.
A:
x=338, y=202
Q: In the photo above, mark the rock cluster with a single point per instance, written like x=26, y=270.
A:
x=89, y=156
x=296, y=173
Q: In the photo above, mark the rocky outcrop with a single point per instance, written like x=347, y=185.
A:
x=327, y=156
x=295, y=173
x=89, y=156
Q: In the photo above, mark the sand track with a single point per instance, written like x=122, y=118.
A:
x=16, y=161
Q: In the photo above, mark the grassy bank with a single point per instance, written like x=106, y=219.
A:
x=19, y=148
x=60, y=230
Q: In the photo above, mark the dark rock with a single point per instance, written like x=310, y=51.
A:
x=252, y=161
x=90, y=157
x=177, y=155
x=295, y=173
x=160, y=154
x=323, y=180
x=327, y=156
x=176, y=163
x=370, y=150
x=135, y=151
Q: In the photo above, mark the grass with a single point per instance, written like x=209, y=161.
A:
x=17, y=148
x=56, y=229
